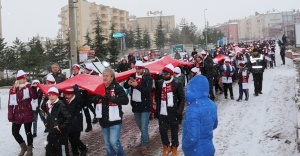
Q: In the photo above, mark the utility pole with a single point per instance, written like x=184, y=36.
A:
x=205, y=29
x=73, y=31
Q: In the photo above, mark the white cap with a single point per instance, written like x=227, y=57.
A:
x=53, y=90
x=36, y=81
x=215, y=61
x=89, y=67
x=139, y=65
x=227, y=60
x=122, y=59
x=203, y=52
x=146, y=58
x=195, y=70
x=177, y=70
x=21, y=74
x=76, y=65
x=50, y=78
x=230, y=55
x=169, y=68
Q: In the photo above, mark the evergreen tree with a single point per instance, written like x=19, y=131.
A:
x=18, y=51
x=160, y=38
x=98, y=42
x=113, y=47
x=175, y=37
x=88, y=40
x=35, y=57
x=2, y=54
x=66, y=51
x=130, y=39
x=138, y=38
x=146, y=39
x=10, y=60
x=59, y=54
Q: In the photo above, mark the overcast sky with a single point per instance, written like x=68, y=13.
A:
x=27, y=18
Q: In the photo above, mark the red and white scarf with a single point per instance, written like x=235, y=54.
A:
x=13, y=94
x=245, y=79
x=136, y=94
x=50, y=105
x=166, y=96
x=113, y=109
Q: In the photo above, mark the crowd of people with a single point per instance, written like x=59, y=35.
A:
x=161, y=96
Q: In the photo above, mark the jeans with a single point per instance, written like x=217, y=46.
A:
x=241, y=91
x=112, y=142
x=142, y=120
x=34, y=124
x=228, y=86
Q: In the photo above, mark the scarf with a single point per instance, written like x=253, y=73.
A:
x=50, y=105
x=245, y=79
x=136, y=94
x=13, y=94
x=166, y=96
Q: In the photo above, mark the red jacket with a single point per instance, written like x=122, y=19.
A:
x=22, y=112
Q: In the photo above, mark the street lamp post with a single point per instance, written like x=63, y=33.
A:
x=205, y=30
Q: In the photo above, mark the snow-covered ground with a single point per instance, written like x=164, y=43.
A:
x=263, y=126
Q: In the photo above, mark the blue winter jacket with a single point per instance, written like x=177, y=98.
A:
x=200, y=119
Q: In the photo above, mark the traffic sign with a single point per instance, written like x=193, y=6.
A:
x=119, y=35
x=178, y=48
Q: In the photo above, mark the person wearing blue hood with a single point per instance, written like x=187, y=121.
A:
x=200, y=119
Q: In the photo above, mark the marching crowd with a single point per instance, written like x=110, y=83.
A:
x=161, y=96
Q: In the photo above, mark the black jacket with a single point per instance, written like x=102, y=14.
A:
x=60, y=117
x=120, y=99
x=206, y=67
x=145, y=89
x=59, y=77
x=178, y=96
x=75, y=109
x=257, y=65
x=123, y=67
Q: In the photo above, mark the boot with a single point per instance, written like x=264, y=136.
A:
x=174, y=151
x=23, y=149
x=29, y=151
x=167, y=150
x=88, y=128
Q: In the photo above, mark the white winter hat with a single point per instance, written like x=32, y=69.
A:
x=89, y=67
x=215, y=61
x=227, y=60
x=139, y=65
x=53, y=90
x=146, y=58
x=203, y=52
x=177, y=70
x=230, y=55
x=195, y=70
x=21, y=75
x=69, y=91
x=50, y=79
x=36, y=81
x=169, y=68
x=76, y=66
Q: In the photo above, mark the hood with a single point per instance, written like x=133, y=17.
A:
x=197, y=88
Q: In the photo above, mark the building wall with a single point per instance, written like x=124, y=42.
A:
x=150, y=23
x=230, y=30
x=86, y=17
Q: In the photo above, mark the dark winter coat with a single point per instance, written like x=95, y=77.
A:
x=123, y=67
x=207, y=68
x=75, y=109
x=200, y=119
x=258, y=62
x=59, y=77
x=181, y=78
x=59, y=116
x=120, y=99
x=21, y=113
x=145, y=89
x=240, y=75
x=178, y=97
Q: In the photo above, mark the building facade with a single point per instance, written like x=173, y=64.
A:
x=230, y=30
x=150, y=23
x=86, y=17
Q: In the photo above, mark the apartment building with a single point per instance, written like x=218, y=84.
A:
x=151, y=22
x=86, y=16
x=230, y=30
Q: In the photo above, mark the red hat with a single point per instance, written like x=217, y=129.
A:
x=169, y=68
x=242, y=64
x=76, y=66
x=21, y=75
x=53, y=91
x=139, y=65
x=69, y=91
